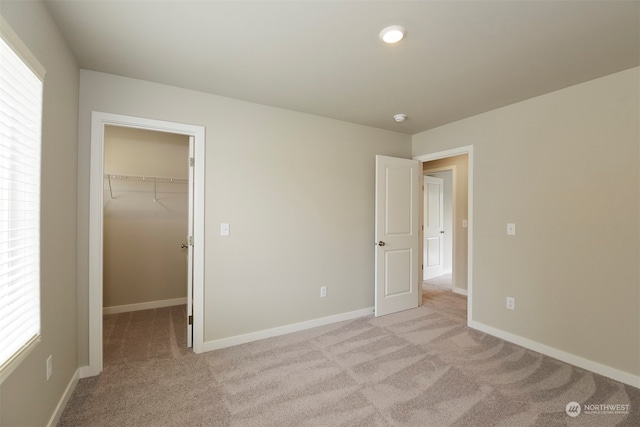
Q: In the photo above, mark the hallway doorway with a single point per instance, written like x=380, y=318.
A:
x=459, y=161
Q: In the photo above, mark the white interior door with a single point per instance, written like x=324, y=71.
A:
x=397, y=230
x=433, y=227
x=190, y=246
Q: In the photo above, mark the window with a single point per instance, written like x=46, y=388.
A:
x=20, y=140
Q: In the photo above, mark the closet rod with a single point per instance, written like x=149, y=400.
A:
x=147, y=178
x=110, y=188
x=139, y=178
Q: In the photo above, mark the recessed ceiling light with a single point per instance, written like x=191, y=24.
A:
x=392, y=34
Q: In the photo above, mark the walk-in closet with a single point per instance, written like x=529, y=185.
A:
x=145, y=219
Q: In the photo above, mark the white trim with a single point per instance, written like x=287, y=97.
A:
x=98, y=121
x=287, y=329
x=460, y=291
x=85, y=372
x=15, y=360
x=444, y=154
x=468, y=150
x=572, y=359
x=21, y=49
x=144, y=305
x=57, y=413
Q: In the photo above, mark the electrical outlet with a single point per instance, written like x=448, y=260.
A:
x=511, y=303
x=323, y=291
x=49, y=366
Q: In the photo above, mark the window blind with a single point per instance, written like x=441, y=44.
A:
x=20, y=142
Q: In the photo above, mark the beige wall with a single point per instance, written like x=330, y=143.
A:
x=565, y=168
x=143, y=261
x=26, y=398
x=294, y=228
x=459, y=166
x=130, y=151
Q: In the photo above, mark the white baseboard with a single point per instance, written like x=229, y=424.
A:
x=461, y=291
x=572, y=359
x=87, y=371
x=57, y=413
x=287, y=329
x=144, y=305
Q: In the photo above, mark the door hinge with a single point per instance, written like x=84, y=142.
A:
x=190, y=240
x=191, y=161
x=190, y=319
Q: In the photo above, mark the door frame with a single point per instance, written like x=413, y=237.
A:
x=96, y=213
x=468, y=150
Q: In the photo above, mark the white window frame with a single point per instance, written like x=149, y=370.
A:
x=11, y=38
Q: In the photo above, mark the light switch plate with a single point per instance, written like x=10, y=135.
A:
x=465, y=223
x=511, y=303
x=511, y=229
x=224, y=229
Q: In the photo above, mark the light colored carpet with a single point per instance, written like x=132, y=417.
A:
x=421, y=367
x=444, y=281
x=437, y=295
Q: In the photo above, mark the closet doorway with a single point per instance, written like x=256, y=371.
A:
x=103, y=192
x=146, y=200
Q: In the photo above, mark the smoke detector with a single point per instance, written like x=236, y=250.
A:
x=399, y=118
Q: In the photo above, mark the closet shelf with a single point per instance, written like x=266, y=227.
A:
x=147, y=178
x=143, y=184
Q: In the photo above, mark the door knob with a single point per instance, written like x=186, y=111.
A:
x=380, y=243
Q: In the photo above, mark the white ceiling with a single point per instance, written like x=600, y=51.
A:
x=459, y=58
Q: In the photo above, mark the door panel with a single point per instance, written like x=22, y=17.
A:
x=433, y=253
x=397, y=279
x=433, y=227
x=397, y=222
x=398, y=218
